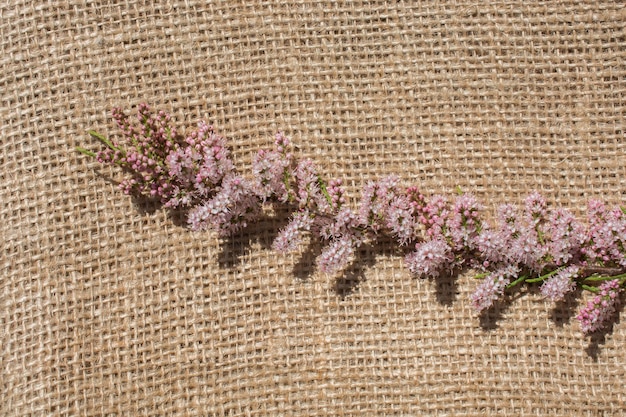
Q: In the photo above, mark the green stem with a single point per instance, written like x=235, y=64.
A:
x=324, y=190
x=86, y=152
x=599, y=278
x=590, y=288
x=543, y=277
x=517, y=281
x=481, y=275
x=102, y=139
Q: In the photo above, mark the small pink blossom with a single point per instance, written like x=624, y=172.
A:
x=566, y=237
x=229, y=211
x=197, y=167
x=492, y=287
x=465, y=224
x=606, y=239
x=595, y=315
x=492, y=246
x=309, y=192
x=430, y=258
x=434, y=216
x=534, y=208
x=271, y=173
x=282, y=143
x=557, y=286
x=375, y=199
x=509, y=221
x=527, y=250
x=344, y=223
x=600, y=238
x=336, y=256
x=400, y=221
x=143, y=149
x=291, y=235
x=417, y=199
x=336, y=194
x=521, y=239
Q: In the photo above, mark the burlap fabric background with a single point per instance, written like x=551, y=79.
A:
x=109, y=307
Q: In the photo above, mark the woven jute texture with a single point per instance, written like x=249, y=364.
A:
x=110, y=306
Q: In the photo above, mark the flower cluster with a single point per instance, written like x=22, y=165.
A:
x=531, y=244
x=556, y=288
x=599, y=310
x=176, y=170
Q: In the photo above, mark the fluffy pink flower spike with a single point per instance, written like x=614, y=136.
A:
x=527, y=245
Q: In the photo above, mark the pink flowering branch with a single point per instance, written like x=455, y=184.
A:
x=531, y=245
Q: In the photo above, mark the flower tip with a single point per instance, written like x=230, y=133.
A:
x=281, y=139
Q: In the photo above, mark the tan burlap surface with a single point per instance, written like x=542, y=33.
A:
x=109, y=307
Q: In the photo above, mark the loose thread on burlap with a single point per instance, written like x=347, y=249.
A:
x=532, y=245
